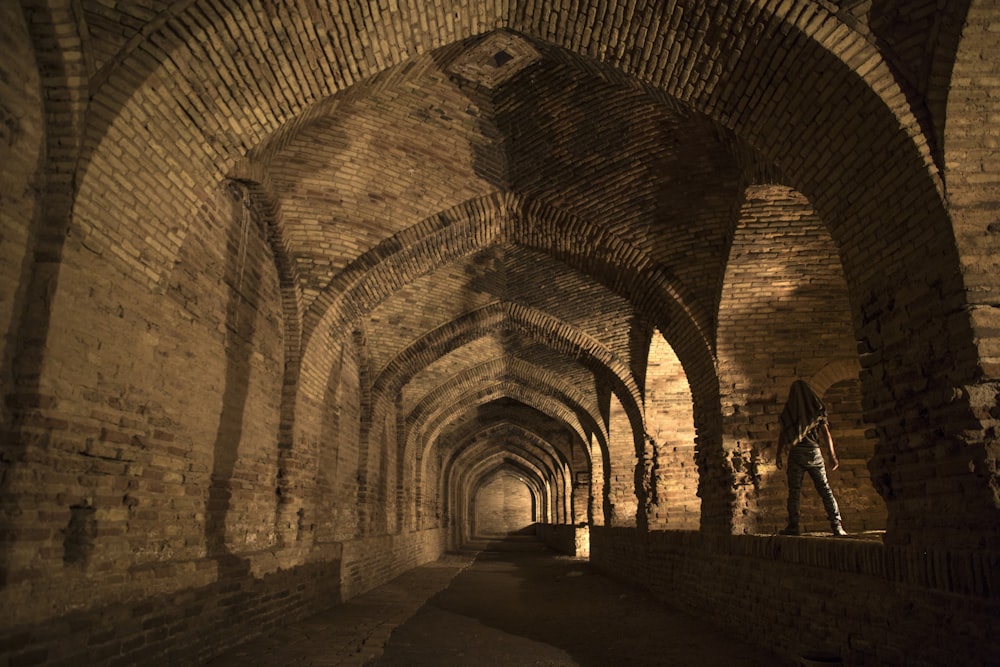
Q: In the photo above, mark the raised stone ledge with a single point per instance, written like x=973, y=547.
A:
x=953, y=571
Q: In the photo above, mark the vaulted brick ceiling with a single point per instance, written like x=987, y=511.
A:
x=506, y=209
x=502, y=114
x=292, y=281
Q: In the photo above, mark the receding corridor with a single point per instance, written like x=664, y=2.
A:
x=300, y=298
x=509, y=602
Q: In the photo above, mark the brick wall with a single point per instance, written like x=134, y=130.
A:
x=131, y=438
x=972, y=178
x=598, y=473
x=337, y=480
x=868, y=603
x=622, y=491
x=21, y=145
x=503, y=506
x=204, y=406
x=670, y=458
x=144, y=515
x=185, y=625
x=371, y=561
x=566, y=539
x=765, y=123
x=784, y=314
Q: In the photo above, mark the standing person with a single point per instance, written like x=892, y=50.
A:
x=805, y=431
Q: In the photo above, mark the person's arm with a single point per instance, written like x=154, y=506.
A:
x=781, y=451
x=827, y=440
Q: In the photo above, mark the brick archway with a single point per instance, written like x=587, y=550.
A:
x=135, y=107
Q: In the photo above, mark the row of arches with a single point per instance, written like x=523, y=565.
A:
x=352, y=296
x=198, y=251
x=640, y=441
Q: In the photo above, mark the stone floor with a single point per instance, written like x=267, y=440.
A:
x=509, y=602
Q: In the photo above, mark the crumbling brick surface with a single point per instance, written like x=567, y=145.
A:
x=285, y=286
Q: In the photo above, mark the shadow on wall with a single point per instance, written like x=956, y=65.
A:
x=861, y=506
x=244, y=276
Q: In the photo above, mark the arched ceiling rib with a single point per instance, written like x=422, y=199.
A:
x=496, y=402
x=471, y=453
x=511, y=370
x=475, y=449
x=526, y=216
x=490, y=466
x=559, y=452
x=499, y=354
x=526, y=323
x=481, y=462
x=585, y=247
x=652, y=177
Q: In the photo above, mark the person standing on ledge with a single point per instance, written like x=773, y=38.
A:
x=804, y=429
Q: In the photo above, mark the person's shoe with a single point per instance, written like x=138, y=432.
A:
x=838, y=530
x=790, y=529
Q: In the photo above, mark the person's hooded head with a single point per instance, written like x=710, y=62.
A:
x=803, y=412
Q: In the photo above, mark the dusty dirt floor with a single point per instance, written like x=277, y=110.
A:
x=520, y=604
x=509, y=602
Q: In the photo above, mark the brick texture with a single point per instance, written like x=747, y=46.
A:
x=504, y=506
x=880, y=605
x=21, y=148
x=298, y=295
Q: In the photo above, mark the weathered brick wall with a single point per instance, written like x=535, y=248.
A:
x=151, y=462
x=182, y=607
x=784, y=314
x=568, y=539
x=431, y=509
x=861, y=506
x=686, y=73
x=166, y=437
x=179, y=626
x=371, y=561
x=598, y=473
x=337, y=478
x=670, y=458
x=503, y=506
x=159, y=448
x=623, y=503
x=870, y=604
x=972, y=180
x=21, y=147
x=973, y=169
x=580, y=490
x=376, y=477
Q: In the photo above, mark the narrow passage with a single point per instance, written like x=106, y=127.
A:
x=521, y=604
x=515, y=604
